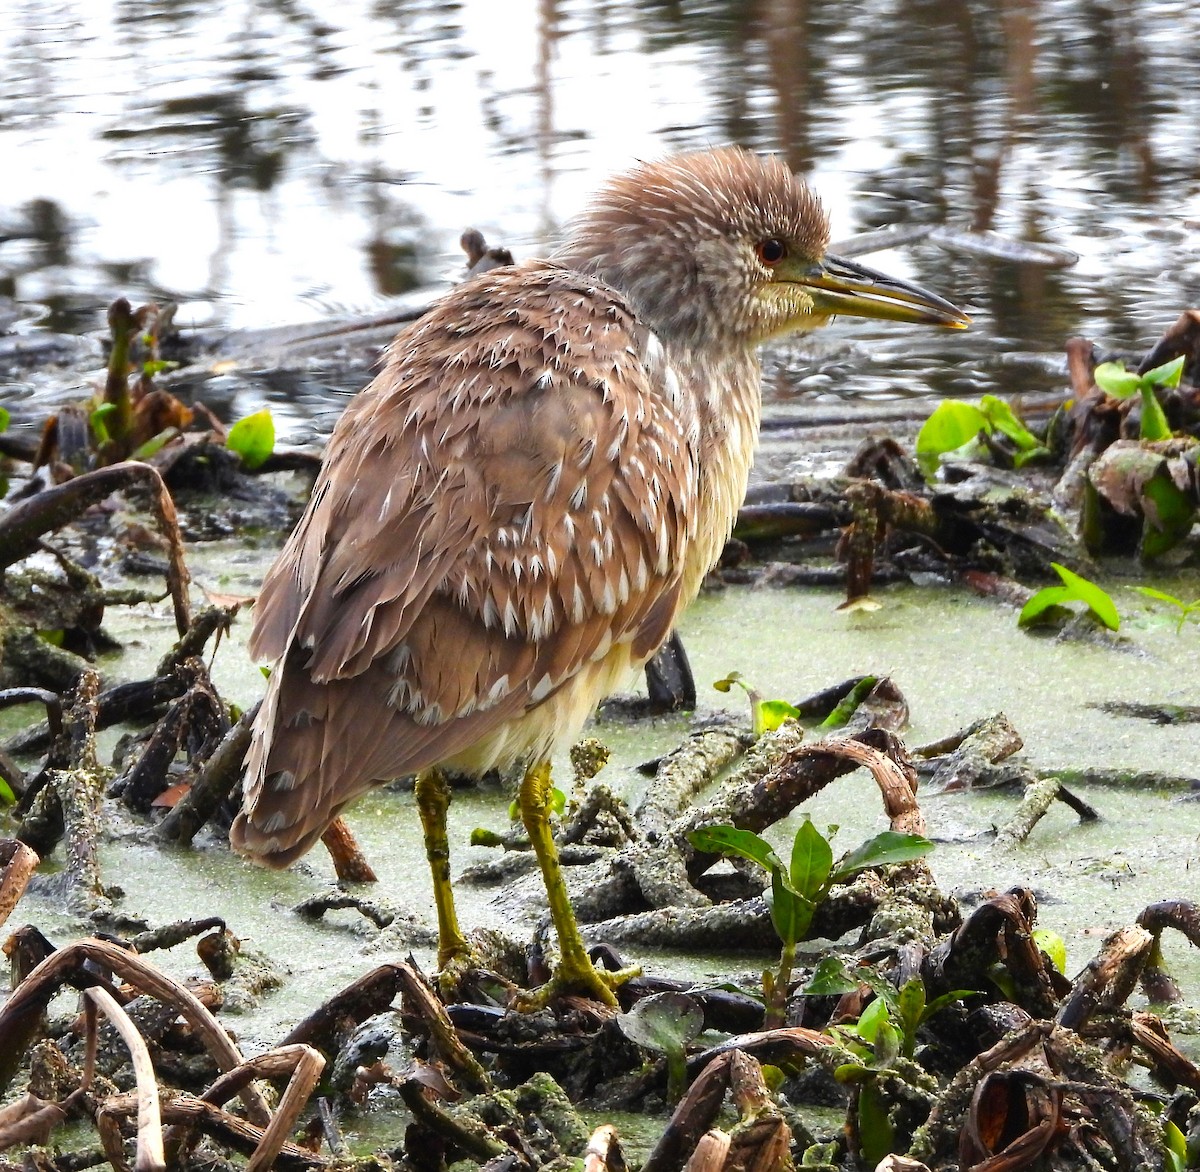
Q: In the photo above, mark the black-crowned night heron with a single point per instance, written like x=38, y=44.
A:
x=511, y=517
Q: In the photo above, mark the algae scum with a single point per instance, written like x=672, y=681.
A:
x=317, y=974
x=1037, y=820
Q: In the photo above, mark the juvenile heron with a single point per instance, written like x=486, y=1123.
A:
x=511, y=517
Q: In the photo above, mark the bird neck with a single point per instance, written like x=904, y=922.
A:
x=726, y=394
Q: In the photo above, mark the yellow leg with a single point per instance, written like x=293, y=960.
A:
x=575, y=970
x=433, y=800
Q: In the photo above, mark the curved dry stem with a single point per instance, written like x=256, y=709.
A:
x=185, y=1111
x=603, y=1152
x=150, y=1155
x=24, y=524
x=897, y=783
x=20, y=1014
x=304, y=1065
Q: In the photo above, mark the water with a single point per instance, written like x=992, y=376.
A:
x=271, y=163
x=942, y=648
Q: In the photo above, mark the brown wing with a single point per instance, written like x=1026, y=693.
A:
x=507, y=501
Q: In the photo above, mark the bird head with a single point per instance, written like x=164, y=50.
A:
x=726, y=248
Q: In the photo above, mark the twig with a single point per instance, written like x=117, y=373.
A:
x=185, y=1111
x=302, y=1064
x=20, y=1015
x=897, y=780
x=150, y=1155
x=1109, y=978
x=603, y=1153
x=215, y=779
x=349, y=863
x=25, y=523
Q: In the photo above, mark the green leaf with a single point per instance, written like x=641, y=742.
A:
x=99, y=422
x=1154, y=425
x=952, y=424
x=1167, y=375
x=1168, y=515
x=481, y=836
x=1175, y=1144
x=1161, y=596
x=849, y=703
x=773, y=1077
x=253, y=438
x=852, y=1072
x=811, y=862
x=772, y=713
x=1001, y=416
x=1098, y=601
x=871, y=1018
x=889, y=847
x=940, y=1003
x=7, y=797
x=791, y=913
x=876, y=1135
x=910, y=1008
x=1004, y=981
x=729, y=840
x=4, y=418
x=663, y=1022
x=887, y=1044
x=1024, y=457
x=156, y=443
x=1054, y=946
x=1186, y=609
x=558, y=801
x=1073, y=589
x=831, y=978
x=1113, y=379
x=726, y=684
x=1042, y=601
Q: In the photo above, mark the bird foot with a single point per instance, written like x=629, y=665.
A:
x=456, y=964
x=585, y=979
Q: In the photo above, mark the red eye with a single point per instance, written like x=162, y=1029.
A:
x=771, y=251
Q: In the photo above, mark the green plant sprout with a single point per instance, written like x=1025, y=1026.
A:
x=482, y=836
x=253, y=438
x=765, y=715
x=848, y=705
x=1113, y=379
x=955, y=427
x=1186, y=609
x=1175, y=1148
x=1054, y=946
x=798, y=889
x=885, y=1032
x=906, y=1008
x=665, y=1023
x=1073, y=589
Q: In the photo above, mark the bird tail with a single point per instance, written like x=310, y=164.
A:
x=288, y=799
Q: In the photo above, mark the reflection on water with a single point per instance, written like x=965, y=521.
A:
x=267, y=162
